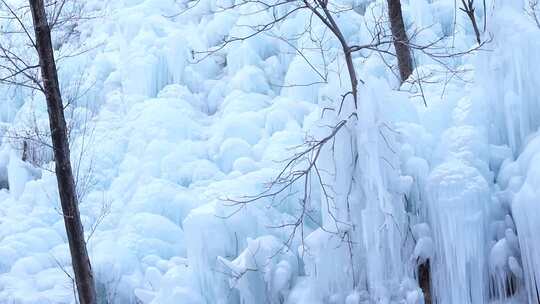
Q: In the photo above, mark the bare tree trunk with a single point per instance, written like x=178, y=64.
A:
x=424, y=281
x=401, y=41
x=66, y=184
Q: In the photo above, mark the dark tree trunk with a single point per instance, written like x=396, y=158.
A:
x=66, y=184
x=401, y=41
x=424, y=281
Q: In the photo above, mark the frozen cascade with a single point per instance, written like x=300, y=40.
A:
x=370, y=185
x=525, y=210
x=521, y=180
x=514, y=122
x=382, y=189
x=171, y=138
x=508, y=79
x=458, y=214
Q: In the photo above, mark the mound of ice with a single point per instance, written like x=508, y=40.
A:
x=458, y=214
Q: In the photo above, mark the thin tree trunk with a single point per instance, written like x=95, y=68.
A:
x=66, y=184
x=401, y=41
x=424, y=281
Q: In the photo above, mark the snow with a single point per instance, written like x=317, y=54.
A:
x=168, y=141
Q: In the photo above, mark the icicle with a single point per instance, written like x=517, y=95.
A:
x=458, y=198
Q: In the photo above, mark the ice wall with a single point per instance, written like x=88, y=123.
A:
x=519, y=181
x=171, y=139
x=508, y=78
x=459, y=199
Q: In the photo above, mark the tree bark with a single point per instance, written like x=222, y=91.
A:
x=82, y=269
x=401, y=41
x=424, y=281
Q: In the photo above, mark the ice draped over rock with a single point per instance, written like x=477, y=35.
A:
x=165, y=144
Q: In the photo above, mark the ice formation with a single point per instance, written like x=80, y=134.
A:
x=168, y=139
